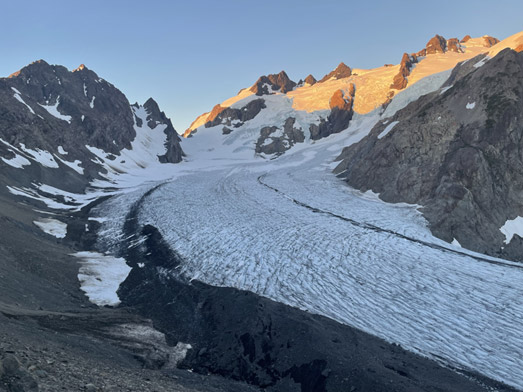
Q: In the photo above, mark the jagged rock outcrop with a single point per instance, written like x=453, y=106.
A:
x=341, y=71
x=236, y=117
x=174, y=152
x=437, y=44
x=341, y=104
x=276, y=82
x=400, y=80
x=457, y=154
x=276, y=140
x=310, y=80
x=453, y=45
x=489, y=41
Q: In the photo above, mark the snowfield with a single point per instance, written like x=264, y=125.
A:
x=291, y=231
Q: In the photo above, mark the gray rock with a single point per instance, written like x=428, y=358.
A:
x=10, y=364
x=226, y=116
x=463, y=165
x=341, y=71
x=270, y=144
x=278, y=82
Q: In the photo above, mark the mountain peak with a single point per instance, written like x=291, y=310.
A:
x=80, y=68
x=310, y=80
x=278, y=82
x=38, y=64
x=341, y=71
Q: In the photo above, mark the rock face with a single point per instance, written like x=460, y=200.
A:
x=56, y=113
x=490, y=41
x=437, y=44
x=276, y=82
x=341, y=104
x=453, y=45
x=400, y=80
x=310, y=80
x=174, y=152
x=341, y=71
x=274, y=140
x=457, y=154
x=235, y=117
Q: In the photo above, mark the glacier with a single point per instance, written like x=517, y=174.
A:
x=289, y=230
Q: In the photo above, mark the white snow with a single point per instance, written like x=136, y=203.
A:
x=91, y=104
x=100, y=276
x=17, y=162
x=43, y=157
x=471, y=105
x=456, y=243
x=511, y=228
x=387, y=129
x=53, y=110
x=482, y=62
x=411, y=94
x=73, y=165
x=445, y=89
x=18, y=97
x=61, y=151
x=52, y=227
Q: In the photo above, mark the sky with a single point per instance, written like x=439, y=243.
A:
x=190, y=55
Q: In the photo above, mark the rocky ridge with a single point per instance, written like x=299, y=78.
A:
x=53, y=117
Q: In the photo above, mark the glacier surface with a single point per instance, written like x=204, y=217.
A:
x=289, y=230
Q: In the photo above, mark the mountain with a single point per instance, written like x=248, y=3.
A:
x=67, y=128
x=374, y=87
x=308, y=238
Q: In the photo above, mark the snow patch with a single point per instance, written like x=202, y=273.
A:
x=52, y=227
x=511, y=228
x=43, y=157
x=471, y=105
x=91, y=104
x=445, y=89
x=17, y=162
x=482, y=62
x=387, y=129
x=73, y=165
x=18, y=97
x=100, y=276
x=53, y=110
x=61, y=151
x=456, y=243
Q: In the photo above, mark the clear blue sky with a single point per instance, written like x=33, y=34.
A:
x=190, y=55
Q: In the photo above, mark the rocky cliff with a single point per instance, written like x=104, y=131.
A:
x=457, y=153
x=53, y=119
